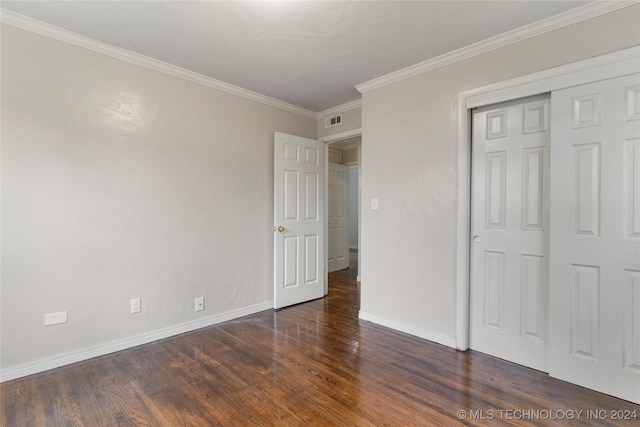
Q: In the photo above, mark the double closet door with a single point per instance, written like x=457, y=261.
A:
x=555, y=255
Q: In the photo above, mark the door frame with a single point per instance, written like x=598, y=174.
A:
x=611, y=65
x=328, y=140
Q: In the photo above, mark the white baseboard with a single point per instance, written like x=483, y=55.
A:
x=56, y=361
x=427, y=335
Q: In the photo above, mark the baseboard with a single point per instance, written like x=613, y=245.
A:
x=57, y=361
x=431, y=336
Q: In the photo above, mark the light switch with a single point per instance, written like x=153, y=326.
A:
x=374, y=204
x=55, y=318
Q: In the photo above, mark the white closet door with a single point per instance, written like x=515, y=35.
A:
x=595, y=237
x=509, y=224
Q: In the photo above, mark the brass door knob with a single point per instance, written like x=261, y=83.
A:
x=281, y=229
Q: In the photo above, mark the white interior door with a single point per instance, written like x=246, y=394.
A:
x=338, y=217
x=510, y=158
x=595, y=237
x=299, y=220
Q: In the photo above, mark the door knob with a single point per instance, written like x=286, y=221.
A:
x=280, y=228
x=476, y=239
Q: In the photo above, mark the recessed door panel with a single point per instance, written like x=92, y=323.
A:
x=496, y=124
x=535, y=117
x=586, y=111
x=586, y=197
x=585, y=311
x=291, y=152
x=290, y=261
x=312, y=156
x=632, y=322
x=533, y=296
x=632, y=187
x=533, y=188
x=290, y=194
x=311, y=196
x=632, y=103
x=494, y=289
x=496, y=189
x=311, y=259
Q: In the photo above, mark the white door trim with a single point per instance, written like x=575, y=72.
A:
x=603, y=67
x=336, y=137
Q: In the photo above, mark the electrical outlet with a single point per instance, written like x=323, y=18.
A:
x=135, y=306
x=199, y=303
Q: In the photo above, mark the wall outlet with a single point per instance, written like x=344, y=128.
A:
x=199, y=303
x=135, y=306
x=55, y=318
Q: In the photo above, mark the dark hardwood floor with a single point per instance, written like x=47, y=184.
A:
x=314, y=364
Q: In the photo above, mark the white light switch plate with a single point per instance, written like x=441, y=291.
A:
x=135, y=305
x=374, y=204
x=55, y=318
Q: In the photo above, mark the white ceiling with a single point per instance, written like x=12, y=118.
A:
x=307, y=53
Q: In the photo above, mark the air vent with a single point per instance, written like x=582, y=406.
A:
x=330, y=122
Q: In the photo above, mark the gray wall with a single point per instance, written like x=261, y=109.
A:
x=409, y=162
x=122, y=182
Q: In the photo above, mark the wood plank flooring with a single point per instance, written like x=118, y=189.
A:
x=314, y=364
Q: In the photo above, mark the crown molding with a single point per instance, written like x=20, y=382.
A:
x=573, y=16
x=340, y=109
x=51, y=31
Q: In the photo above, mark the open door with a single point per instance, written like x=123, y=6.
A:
x=299, y=220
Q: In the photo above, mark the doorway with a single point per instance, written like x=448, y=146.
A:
x=345, y=150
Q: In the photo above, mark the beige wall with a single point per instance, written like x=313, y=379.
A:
x=122, y=182
x=409, y=162
x=335, y=156
x=350, y=156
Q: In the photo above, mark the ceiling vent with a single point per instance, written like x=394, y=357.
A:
x=330, y=122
